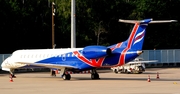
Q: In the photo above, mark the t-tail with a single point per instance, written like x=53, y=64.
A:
x=136, y=38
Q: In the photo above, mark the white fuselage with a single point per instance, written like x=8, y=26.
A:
x=32, y=56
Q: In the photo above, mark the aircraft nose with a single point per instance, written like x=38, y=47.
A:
x=4, y=63
x=139, y=52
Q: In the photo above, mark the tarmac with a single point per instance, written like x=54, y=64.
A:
x=110, y=83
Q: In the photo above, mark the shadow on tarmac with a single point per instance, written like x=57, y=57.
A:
x=89, y=78
x=130, y=79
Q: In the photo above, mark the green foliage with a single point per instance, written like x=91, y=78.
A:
x=28, y=22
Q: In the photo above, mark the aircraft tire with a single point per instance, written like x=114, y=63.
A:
x=66, y=76
x=94, y=76
x=115, y=71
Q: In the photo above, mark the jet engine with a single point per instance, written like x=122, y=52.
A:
x=94, y=52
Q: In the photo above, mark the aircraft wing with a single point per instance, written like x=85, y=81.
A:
x=133, y=62
x=58, y=66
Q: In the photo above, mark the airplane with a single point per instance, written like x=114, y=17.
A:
x=81, y=59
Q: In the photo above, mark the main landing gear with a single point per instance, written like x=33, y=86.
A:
x=94, y=74
x=66, y=76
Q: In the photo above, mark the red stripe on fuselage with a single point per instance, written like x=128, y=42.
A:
x=112, y=48
x=123, y=54
x=99, y=62
x=91, y=62
x=82, y=58
x=117, y=46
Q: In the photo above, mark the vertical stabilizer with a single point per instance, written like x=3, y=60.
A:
x=136, y=37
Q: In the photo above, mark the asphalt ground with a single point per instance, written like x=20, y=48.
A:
x=110, y=83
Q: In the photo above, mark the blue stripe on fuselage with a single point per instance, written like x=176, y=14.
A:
x=66, y=59
x=71, y=60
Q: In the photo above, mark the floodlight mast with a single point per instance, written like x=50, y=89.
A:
x=73, y=25
x=53, y=14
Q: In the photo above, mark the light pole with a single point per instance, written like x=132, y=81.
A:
x=53, y=14
x=73, y=25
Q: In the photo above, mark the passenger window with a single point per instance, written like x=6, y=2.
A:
x=47, y=55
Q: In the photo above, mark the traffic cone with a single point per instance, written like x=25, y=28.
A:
x=149, y=80
x=157, y=76
x=11, y=80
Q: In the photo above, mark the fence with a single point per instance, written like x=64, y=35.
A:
x=165, y=58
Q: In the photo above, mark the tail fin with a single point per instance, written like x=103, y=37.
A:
x=136, y=38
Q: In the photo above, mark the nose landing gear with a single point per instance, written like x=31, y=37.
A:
x=12, y=73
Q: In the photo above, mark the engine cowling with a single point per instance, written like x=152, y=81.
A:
x=93, y=52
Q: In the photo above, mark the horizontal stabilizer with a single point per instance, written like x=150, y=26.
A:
x=163, y=21
x=142, y=21
x=134, y=62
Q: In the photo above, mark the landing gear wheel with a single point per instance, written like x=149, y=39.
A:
x=95, y=76
x=115, y=71
x=12, y=75
x=66, y=76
